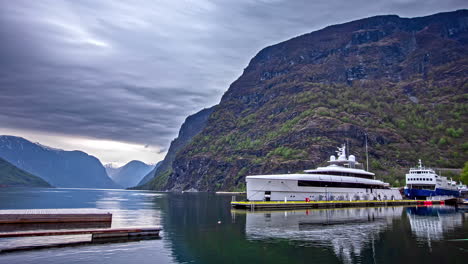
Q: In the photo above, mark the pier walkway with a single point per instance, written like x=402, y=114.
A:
x=96, y=233
x=281, y=205
x=54, y=216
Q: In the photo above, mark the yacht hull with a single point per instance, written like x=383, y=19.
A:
x=283, y=189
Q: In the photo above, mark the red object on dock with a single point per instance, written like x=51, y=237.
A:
x=442, y=202
x=427, y=202
x=307, y=200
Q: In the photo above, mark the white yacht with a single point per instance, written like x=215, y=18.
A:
x=340, y=180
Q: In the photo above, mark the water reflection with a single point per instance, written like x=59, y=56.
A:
x=131, y=208
x=346, y=231
x=201, y=228
x=430, y=223
x=128, y=208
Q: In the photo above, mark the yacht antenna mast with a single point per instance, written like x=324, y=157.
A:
x=367, y=155
x=347, y=148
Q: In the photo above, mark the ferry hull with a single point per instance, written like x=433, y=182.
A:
x=418, y=193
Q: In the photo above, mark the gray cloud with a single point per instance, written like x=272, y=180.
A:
x=133, y=70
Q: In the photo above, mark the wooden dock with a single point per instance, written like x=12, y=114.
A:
x=98, y=236
x=96, y=233
x=54, y=216
x=281, y=205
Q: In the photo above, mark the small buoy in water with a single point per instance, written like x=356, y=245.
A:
x=219, y=222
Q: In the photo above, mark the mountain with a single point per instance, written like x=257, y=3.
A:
x=130, y=174
x=191, y=127
x=401, y=81
x=111, y=169
x=150, y=175
x=12, y=176
x=58, y=167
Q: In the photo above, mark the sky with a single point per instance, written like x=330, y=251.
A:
x=117, y=78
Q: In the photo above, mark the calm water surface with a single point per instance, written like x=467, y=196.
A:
x=191, y=233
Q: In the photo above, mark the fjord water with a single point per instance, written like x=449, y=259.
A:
x=192, y=234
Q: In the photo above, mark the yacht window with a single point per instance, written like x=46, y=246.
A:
x=339, y=173
x=337, y=184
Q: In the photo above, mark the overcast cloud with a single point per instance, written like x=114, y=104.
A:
x=131, y=71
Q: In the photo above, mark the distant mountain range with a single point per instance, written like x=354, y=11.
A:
x=13, y=176
x=58, y=167
x=130, y=174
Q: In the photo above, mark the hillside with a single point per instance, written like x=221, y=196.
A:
x=191, y=127
x=12, y=176
x=130, y=174
x=402, y=81
x=58, y=167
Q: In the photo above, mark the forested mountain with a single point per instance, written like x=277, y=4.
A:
x=401, y=81
x=13, y=176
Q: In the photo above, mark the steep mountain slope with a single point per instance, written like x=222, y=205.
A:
x=111, y=170
x=150, y=175
x=131, y=173
x=12, y=176
x=58, y=167
x=191, y=127
x=401, y=81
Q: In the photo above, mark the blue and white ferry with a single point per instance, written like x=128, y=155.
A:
x=423, y=182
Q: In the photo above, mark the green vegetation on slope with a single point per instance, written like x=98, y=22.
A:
x=398, y=129
x=464, y=174
x=12, y=176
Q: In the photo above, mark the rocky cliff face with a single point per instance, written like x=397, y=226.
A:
x=402, y=81
x=58, y=167
x=191, y=127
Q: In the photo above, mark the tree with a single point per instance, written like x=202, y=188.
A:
x=464, y=174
